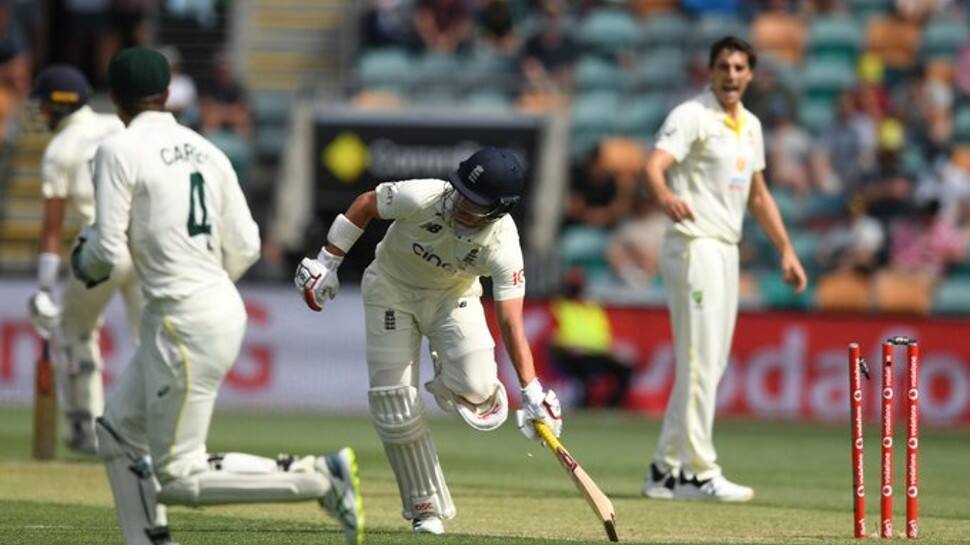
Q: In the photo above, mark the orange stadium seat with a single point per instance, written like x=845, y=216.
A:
x=894, y=40
x=904, y=292
x=779, y=34
x=645, y=8
x=844, y=291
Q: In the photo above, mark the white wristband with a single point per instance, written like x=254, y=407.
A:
x=343, y=233
x=532, y=393
x=47, y=266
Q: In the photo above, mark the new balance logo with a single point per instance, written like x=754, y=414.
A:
x=475, y=173
x=431, y=227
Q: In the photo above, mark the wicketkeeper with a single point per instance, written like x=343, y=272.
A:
x=424, y=282
x=173, y=199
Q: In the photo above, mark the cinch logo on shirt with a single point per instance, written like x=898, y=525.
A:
x=429, y=256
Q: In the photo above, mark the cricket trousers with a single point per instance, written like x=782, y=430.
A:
x=78, y=354
x=164, y=401
x=701, y=279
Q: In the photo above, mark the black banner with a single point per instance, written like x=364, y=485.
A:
x=353, y=152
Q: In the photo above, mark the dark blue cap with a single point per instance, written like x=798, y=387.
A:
x=490, y=177
x=61, y=84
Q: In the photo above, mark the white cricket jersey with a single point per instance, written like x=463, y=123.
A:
x=65, y=168
x=173, y=199
x=422, y=250
x=715, y=159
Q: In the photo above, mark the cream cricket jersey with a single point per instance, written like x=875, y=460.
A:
x=422, y=250
x=716, y=158
x=172, y=198
x=65, y=168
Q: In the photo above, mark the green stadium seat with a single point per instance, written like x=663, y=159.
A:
x=863, y=10
x=583, y=246
x=437, y=69
x=488, y=101
x=271, y=108
x=594, y=73
x=826, y=78
x=390, y=69
x=816, y=114
x=664, y=30
x=609, y=30
x=640, y=117
x=942, y=38
x=236, y=148
x=710, y=28
x=952, y=296
x=835, y=38
x=484, y=69
x=660, y=69
x=592, y=119
x=961, y=124
x=777, y=294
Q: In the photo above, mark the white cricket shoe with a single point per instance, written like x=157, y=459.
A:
x=344, y=501
x=659, y=485
x=714, y=489
x=428, y=524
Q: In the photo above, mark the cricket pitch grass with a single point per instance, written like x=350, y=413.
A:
x=509, y=490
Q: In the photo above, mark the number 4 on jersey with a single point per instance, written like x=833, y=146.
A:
x=197, y=194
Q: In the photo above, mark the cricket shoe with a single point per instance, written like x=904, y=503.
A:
x=714, y=489
x=343, y=501
x=428, y=524
x=659, y=485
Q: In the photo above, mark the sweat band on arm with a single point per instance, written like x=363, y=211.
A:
x=343, y=233
x=47, y=265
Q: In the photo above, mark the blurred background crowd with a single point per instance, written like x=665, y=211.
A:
x=865, y=103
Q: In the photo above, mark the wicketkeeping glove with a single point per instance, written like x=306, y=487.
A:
x=316, y=279
x=538, y=405
x=45, y=313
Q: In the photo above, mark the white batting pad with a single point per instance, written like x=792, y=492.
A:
x=244, y=478
x=79, y=365
x=398, y=416
x=134, y=487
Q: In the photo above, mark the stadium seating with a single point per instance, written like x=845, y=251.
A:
x=953, y=296
x=390, y=69
x=825, y=78
x=942, y=38
x=893, y=40
x=609, y=30
x=639, y=117
x=664, y=30
x=863, y=10
x=903, y=293
x=711, y=27
x=780, y=35
x=594, y=73
x=844, y=291
x=834, y=38
x=658, y=70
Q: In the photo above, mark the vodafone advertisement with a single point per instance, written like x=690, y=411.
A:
x=784, y=365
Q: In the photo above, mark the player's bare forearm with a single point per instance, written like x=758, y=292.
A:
x=509, y=315
x=765, y=211
x=52, y=226
x=360, y=213
x=657, y=163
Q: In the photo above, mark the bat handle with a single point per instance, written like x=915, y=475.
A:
x=546, y=434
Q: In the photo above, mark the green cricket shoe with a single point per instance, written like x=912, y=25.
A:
x=344, y=501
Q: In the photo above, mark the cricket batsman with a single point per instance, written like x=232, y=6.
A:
x=62, y=92
x=424, y=282
x=170, y=197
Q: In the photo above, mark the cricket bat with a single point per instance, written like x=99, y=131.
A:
x=597, y=500
x=45, y=408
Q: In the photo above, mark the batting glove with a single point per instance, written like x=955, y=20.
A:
x=538, y=405
x=44, y=313
x=316, y=279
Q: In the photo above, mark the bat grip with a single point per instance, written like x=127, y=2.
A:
x=546, y=434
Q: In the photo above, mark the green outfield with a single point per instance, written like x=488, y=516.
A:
x=509, y=490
